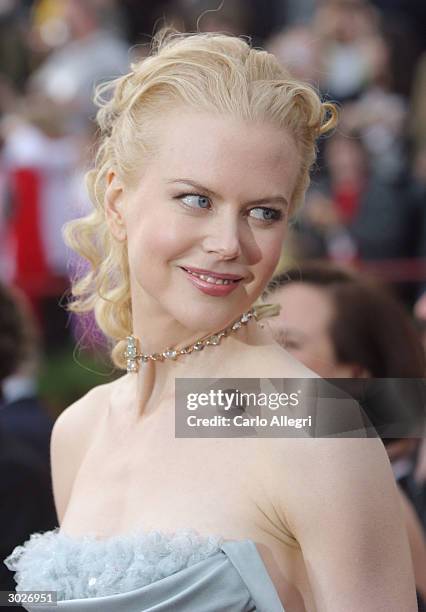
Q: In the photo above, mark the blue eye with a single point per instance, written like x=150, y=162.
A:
x=194, y=200
x=267, y=214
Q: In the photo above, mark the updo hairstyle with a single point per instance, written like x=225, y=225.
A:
x=211, y=73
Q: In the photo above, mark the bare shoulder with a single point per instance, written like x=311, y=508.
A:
x=270, y=360
x=301, y=475
x=338, y=499
x=85, y=412
x=315, y=467
x=280, y=363
x=71, y=436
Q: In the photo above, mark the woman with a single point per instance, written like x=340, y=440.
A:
x=205, y=149
x=344, y=326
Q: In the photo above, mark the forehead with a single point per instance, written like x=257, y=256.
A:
x=227, y=152
x=304, y=307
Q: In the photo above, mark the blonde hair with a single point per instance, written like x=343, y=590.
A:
x=215, y=73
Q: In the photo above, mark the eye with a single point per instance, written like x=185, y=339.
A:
x=195, y=200
x=291, y=345
x=266, y=214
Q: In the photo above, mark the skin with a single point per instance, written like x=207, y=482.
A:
x=121, y=435
x=307, y=338
x=227, y=236
x=302, y=328
x=417, y=542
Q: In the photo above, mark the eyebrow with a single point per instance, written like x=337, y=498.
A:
x=209, y=192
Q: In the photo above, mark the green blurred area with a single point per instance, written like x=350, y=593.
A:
x=66, y=375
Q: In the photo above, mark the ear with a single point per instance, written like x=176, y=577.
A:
x=114, y=210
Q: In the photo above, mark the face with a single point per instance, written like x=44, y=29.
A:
x=302, y=328
x=212, y=202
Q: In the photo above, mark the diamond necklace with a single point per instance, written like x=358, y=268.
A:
x=133, y=355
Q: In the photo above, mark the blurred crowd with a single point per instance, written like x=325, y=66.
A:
x=366, y=205
x=365, y=211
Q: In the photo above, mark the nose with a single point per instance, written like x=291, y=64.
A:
x=223, y=238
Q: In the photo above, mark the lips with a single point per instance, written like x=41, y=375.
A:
x=216, y=285
x=213, y=277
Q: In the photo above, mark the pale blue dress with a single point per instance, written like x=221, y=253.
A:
x=144, y=572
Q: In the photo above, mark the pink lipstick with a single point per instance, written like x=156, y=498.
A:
x=212, y=283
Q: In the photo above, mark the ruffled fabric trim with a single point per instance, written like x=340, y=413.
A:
x=88, y=567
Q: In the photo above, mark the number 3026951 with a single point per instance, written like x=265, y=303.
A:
x=13, y=598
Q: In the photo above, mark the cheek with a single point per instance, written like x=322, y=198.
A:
x=270, y=247
x=159, y=240
x=321, y=356
x=326, y=350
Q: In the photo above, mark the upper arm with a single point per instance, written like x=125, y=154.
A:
x=70, y=439
x=341, y=503
x=417, y=543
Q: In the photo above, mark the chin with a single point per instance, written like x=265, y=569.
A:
x=213, y=316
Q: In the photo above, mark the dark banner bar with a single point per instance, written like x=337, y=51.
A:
x=300, y=407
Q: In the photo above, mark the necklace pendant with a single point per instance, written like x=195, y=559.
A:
x=131, y=354
x=132, y=366
x=170, y=354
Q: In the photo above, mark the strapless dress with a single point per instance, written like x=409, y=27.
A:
x=144, y=572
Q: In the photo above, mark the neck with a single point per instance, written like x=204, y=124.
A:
x=155, y=380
